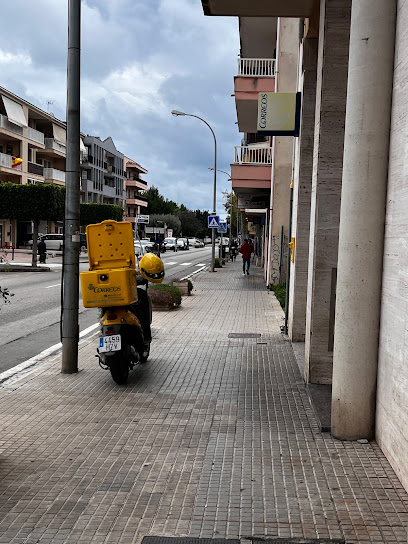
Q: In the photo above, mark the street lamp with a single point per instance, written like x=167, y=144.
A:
x=176, y=114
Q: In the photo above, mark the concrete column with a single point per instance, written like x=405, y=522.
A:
x=302, y=194
x=363, y=202
x=282, y=160
x=332, y=69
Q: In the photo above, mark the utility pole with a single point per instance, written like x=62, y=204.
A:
x=70, y=327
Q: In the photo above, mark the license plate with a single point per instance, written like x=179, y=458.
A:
x=109, y=343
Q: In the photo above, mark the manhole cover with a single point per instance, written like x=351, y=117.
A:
x=244, y=335
x=186, y=540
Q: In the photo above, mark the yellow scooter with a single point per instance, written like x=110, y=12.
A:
x=112, y=285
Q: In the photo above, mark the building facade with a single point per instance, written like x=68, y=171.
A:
x=135, y=202
x=348, y=296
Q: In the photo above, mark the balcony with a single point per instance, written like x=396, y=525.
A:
x=86, y=161
x=255, y=76
x=109, y=192
x=136, y=182
x=251, y=170
x=6, y=162
x=53, y=145
x=258, y=8
x=34, y=168
x=53, y=175
x=110, y=171
x=11, y=127
x=35, y=135
x=253, y=155
x=136, y=202
x=256, y=67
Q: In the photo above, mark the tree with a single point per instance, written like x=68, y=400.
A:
x=231, y=208
x=157, y=204
x=172, y=222
x=32, y=203
x=92, y=213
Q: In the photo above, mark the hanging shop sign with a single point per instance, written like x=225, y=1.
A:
x=279, y=114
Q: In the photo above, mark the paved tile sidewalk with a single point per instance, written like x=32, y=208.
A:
x=213, y=437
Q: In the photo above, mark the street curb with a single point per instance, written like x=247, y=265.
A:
x=23, y=268
x=26, y=365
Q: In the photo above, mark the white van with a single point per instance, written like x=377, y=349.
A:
x=52, y=241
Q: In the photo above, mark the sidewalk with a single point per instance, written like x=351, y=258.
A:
x=214, y=437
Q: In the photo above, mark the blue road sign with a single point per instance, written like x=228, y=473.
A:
x=213, y=221
x=222, y=228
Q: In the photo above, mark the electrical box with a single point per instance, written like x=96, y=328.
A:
x=111, y=280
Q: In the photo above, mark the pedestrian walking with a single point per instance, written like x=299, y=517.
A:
x=42, y=251
x=233, y=250
x=246, y=250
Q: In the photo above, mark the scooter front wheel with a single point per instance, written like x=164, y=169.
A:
x=119, y=368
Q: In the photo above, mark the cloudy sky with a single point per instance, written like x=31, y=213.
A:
x=140, y=60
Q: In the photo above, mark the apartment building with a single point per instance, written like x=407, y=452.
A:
x=102, y=172
x=348, y=296
x=36, y=137
x=135, y=202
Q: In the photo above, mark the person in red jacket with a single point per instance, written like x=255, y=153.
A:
x=246, y=249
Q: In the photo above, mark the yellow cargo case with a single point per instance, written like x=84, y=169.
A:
x=111, y=280
x=108, y=287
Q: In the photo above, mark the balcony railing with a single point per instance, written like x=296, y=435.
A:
x=5, y=123
x=35, y=135
x=50, y=143
x=253, y=155
x=256, y=67
x=52, y=173
x=6, y=160
x=34, y=168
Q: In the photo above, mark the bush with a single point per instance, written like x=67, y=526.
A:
x=217, y=263
x=280, y=293
x=161, y=293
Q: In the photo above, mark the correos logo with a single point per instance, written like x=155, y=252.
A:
x=264, y=109
x=103, y=289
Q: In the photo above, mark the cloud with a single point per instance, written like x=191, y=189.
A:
x=139, y=61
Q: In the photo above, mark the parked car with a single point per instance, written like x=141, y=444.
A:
x=194, y=242
x=52, y=241
x=182, y=243
x=171, y=243
x=139, y=252
x=83, y=245
x=147, y=245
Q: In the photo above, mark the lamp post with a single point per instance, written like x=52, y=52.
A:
x=176, y=114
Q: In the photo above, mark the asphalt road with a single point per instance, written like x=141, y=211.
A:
x=30, y=324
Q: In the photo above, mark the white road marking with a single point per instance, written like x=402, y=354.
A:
x=56, y=285
x=194, y=273
x=201, y=264
x=166, y=263
x=185, y=264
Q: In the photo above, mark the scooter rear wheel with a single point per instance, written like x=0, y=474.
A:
x=119, y=368
x=145, y=355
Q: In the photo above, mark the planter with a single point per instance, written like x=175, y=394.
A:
x=182, y=285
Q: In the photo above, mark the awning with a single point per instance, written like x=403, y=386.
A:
x=82, y=146
x=60, y=134
x=14, y=112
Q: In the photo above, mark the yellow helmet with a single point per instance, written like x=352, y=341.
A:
x=151, y=267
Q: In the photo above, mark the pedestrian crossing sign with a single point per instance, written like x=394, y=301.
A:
x=213, y=221
x=222, y=228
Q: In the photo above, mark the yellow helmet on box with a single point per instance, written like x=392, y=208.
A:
x=151, y=268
